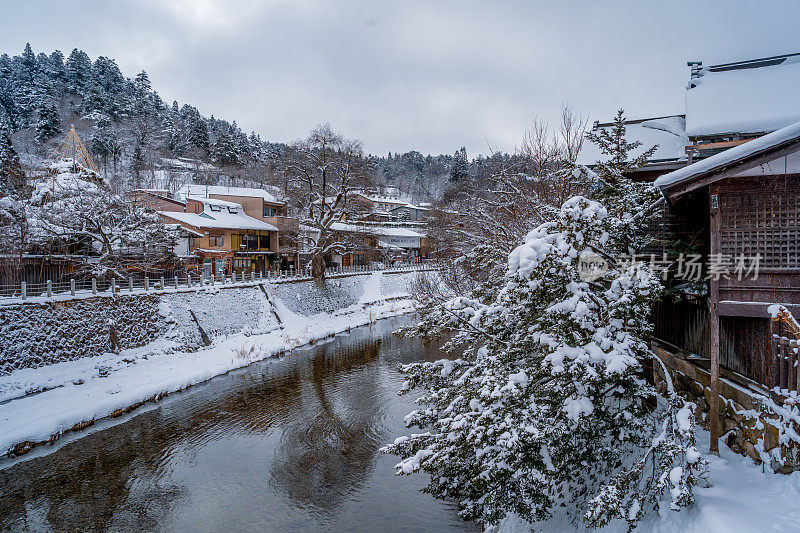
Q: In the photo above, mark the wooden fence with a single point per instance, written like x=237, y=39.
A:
x=781, y=368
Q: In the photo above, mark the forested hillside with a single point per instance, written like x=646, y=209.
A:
x=139, y=140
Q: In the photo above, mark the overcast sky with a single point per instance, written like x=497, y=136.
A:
x=409, y=75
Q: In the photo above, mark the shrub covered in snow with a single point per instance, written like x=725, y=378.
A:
x=549, y=404
x=74, y=210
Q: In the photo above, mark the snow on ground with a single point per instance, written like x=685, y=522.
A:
x=743, y=498
x=95, y=387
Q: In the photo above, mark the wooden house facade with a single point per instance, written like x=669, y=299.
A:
x=729, y=169
x=745, y=203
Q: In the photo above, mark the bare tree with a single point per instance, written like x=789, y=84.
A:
x=475, y=229
x=323, y=171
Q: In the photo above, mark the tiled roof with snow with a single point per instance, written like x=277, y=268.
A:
x=729, y=157
x=754, y=96
x=205, y=190
x=213, y=201
x=376, y=230
x=220, y=219
x=669, y=133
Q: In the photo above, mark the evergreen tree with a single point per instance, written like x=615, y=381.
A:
x=548, y=405
x=225, y=150
x=104, y=143
x=460, y=167
x=12, y=177
x=78, y=68
x=613, y=185
x=49, y=124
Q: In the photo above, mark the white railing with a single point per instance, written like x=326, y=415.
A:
x=94, y=287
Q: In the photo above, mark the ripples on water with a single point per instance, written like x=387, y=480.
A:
x=282, y=445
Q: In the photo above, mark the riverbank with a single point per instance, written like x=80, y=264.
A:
x=742, y=497
x=38, y=405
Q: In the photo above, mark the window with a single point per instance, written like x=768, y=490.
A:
x=215, y=208
x=216, y=240
x=249, y=242
x=196, y=208
x=233, y=210
x=270, y=211
x=264, y=242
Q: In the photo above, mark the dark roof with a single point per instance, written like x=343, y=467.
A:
x=731, y=162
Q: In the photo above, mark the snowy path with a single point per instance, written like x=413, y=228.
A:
x=93, y=388
x=743, y=499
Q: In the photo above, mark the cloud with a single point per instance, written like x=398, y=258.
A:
x=429, y=76
x=202, y=15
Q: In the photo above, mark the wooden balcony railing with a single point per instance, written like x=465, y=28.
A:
x=781, y=368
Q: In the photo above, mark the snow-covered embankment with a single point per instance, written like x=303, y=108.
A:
x=232, y=327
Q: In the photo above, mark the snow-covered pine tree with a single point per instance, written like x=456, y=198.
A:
x=548, y=405
x=225, y=150
x=622, y=195
x=12, y=177
x=460, y=168
x=78, y=69
x=49, y=124
x=104, y=143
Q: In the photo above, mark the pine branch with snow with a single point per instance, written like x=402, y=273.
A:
x=551, y=382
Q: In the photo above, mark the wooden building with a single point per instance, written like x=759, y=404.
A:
x=745, y=205
x=261, y=205
x=729, y=169
x=229, y=241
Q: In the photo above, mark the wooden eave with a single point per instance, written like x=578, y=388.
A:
x=728, y=169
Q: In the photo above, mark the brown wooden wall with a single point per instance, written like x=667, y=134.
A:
x=762, y=216
x=744, y=341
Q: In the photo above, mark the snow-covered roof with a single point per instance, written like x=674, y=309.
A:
x=213, y=201
x=184, y=229
x=205, y=190
x=669, y=133
x=376, y=230
x=410, y=206
x=726, y=159
x=221, y=218
x=186, y=163
x=755, y=96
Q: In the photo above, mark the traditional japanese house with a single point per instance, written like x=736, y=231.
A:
x=260, y=204
x=229, y=239
x=729, y=170
x=744, y=203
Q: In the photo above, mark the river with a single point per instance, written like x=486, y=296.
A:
x=287, y=444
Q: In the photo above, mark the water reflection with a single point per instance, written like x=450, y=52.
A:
x=282, y=444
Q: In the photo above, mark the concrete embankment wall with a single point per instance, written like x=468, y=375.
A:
x=44, y=333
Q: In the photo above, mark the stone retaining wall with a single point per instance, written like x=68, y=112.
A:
x=33, y=335
x=39, y=334
x=752, y=424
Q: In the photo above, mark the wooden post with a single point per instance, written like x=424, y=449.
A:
x=162, y=283
x=113, y=285
x=24, y=287
x=188, y=280
x=94, y=286
x=130, y=284
x=72, y=287
x=49, y=288
x=713, y=302
x=146, y=283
